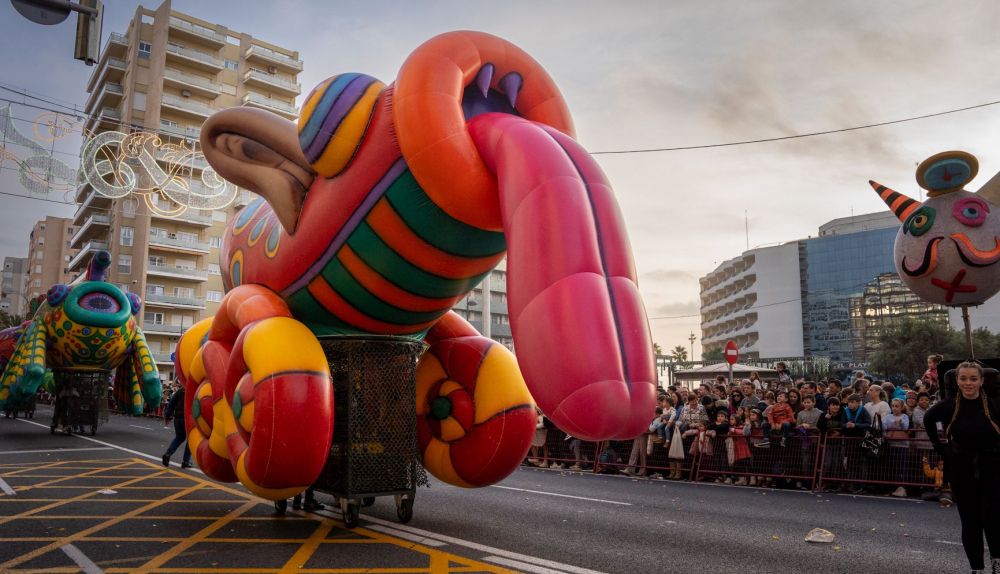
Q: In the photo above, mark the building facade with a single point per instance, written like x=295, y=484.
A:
x=488, y=314
x=166, y=74
x=13, y=297
x=49, y=254
x=838, y=292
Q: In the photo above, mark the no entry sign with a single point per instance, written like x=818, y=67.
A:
x=732, y=352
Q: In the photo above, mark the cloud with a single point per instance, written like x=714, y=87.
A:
x=675, y=309
x=669, y=275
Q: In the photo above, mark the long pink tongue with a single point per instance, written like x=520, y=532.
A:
x=578, y=321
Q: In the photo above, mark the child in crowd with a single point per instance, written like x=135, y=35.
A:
x=936, y=474
x=781, y=418
x=896, y=424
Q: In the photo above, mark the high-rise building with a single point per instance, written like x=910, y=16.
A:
x=824, y=297
x=13, y=298
x=488, y=314
x=49, y=254
x=166, y=74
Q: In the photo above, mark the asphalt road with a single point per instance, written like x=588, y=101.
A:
x=558, y=521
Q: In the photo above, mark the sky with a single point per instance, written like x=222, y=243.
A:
x=643, y=75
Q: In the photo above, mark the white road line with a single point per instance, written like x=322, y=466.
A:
x=85, y=564
x=140, y=427
x=50, y=450
x=948, y=542
x=523, y=566
x=557, y=566
x=6, y=488
x=121, y=448
x=407, y=536
x=563, y=495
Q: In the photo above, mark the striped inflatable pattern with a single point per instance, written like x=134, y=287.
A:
x=334, y=120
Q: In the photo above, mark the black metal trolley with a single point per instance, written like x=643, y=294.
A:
x=374, y=450
x=80, y=399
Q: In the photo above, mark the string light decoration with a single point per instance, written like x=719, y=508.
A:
x=39, y=171
x=118, y=164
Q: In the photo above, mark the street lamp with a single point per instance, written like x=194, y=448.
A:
x=692, y=338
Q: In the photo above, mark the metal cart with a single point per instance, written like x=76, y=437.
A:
x=80, y=399
x=374, y=450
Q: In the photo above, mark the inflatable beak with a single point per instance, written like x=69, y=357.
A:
x=899, y=204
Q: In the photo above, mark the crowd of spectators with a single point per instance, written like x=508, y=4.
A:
x=763, y=417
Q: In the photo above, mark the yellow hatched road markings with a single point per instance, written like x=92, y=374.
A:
x=438, y=561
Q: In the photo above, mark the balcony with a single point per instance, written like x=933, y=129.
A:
x=94, y=227
x=187, y=106
x=200, y=60
x=189, y=216
x=195, y=162
x=107, y=117
x=262, y=54
x=190, y=30
x=162, y=329
x=80, y=260
x=244, y=197
x=277, y=83
x=109, y=69
x=198, y=85
x=92, y=201
x=172, y=302
x=177, y=272
x=162, y=358
x=172, y=243
x=110, y=93
x=281, y=108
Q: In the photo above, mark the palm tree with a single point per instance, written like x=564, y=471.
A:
x=679, y=353
x=657, y=349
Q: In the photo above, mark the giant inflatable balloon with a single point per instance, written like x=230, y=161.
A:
x=86, y=326
x=380, y=210
x=948, y=247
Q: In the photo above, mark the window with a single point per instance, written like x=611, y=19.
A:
x=126, y=236
x=154, y=290
x=139, y=101
x=214, y=296
x=186, y=292
x=157, y=232
x=169, y=124
x=213, y=269
x=499, y=319
x=219, y=216
x=39, y=255
x=145, y=50
x=38, y=268
x=36, y=283
x=188, y=264
x=232, y=65
x=66, y=258
x=150, y=318
x=125, y=264
x=157, y=260
x=41, y=241
x=129, y=206
x=216, y=242
x=187, y=236
x=125, y=287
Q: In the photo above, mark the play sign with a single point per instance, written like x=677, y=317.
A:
x=732, y=353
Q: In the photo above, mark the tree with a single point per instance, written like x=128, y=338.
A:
x=679, y=353
x=8, y=320
x=713, y=356
x=903, y=348
x=657, y=350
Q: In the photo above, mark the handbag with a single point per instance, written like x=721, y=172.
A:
x=873, y=443
x=676, y=450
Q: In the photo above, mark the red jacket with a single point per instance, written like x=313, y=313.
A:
x=781, y=413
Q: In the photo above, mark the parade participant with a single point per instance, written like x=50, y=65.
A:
x=972, y=461
x=175, y=411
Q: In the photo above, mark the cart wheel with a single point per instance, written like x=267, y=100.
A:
x=368, y=501
x=350, y=511
x=404, y=509
x=280, y=506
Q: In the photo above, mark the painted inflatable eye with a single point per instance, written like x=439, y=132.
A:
x=971, y=211
x=920, y=222
x=99, y=303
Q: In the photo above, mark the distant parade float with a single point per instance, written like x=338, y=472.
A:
x=384, y=207
x=80, y=330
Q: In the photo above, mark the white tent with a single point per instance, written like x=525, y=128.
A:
x=709, y=372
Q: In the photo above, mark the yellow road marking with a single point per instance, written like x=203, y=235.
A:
x=48, y=506
x=305, y=552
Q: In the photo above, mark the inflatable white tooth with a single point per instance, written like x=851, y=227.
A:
x=948, y=248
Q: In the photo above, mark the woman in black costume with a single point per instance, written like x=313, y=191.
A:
x=972, y=461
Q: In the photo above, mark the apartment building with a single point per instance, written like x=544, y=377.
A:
x=13, y=298
x=166, y=74
x=488, y=313
x=49, y=254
